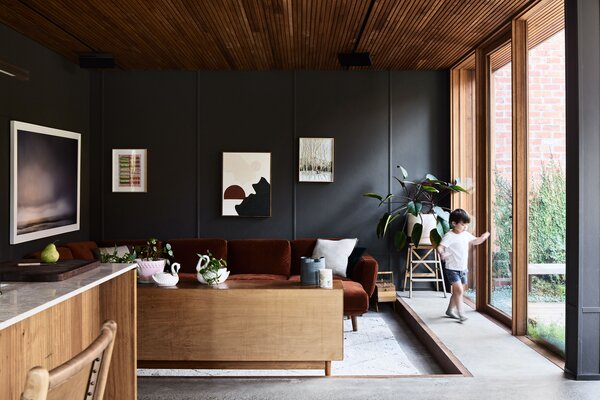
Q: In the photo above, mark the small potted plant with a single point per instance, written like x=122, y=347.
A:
x=211, y=270
x=427, y=221
x=152, y=259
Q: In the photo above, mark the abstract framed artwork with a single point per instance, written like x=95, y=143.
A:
x=315, y=160
x=246, y=184
x=45, y=181
x=129, y=170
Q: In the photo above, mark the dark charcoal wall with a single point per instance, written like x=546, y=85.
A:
x=56, y=95
x=186, y=120
x=582, y=31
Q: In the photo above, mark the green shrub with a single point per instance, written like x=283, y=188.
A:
x=547, y=218
x=551, y=335
x=502, y=208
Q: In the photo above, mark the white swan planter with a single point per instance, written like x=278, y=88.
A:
x=167, y=279
x=222, y=275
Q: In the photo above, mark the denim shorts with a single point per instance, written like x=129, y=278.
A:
x=456, y=276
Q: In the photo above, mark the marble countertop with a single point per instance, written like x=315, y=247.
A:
x=20, y=300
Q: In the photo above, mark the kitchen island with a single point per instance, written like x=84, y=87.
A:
x=47, y=323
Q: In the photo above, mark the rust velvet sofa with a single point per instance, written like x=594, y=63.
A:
x=263, y=259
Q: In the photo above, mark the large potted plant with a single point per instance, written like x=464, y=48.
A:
x=152, y=259
x=420, y=201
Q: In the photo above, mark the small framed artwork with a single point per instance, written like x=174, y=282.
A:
x=246, y=184
x=45, y=181
x=315, y=160
x=129, y=170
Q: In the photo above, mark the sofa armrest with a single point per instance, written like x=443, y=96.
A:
x=365, y=273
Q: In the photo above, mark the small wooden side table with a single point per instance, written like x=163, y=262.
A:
x=385, y=289
x=427, y=257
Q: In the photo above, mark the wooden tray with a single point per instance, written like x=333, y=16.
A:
x=10, y=271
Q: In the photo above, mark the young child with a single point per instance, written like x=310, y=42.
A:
x=454, y=249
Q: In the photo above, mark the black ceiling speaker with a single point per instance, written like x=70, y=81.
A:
x=355, y=59
x=96, y=60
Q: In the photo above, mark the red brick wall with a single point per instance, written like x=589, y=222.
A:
x=546, y=108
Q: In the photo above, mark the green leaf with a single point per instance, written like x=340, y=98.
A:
x=411, y=208
x=404, y=173
x=445, y=225
x=457, y=188
x=440, y=212
x=389, y=220
x=435, y=237
x=400, y=239
x=431, y=177
x=417, y=231
x=373, y=195
x=418, y=208
x=389, y=196
x=439, y=228
x=384, y=222
x=381, y=224
x=430, y=189
x=400, y=182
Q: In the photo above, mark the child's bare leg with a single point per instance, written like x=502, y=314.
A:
x=457, y=296
x=452, y=305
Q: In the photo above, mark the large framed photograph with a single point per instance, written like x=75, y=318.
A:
x=45, y=181
x=129, y=170
x=315, y=160
x=246, y=184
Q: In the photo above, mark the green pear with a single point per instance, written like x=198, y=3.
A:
x=50, y=254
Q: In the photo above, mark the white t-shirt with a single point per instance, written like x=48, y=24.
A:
x=456, y=245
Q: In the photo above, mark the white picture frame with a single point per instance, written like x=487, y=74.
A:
x=129, y=170
x=45, y=183
x=315, y=159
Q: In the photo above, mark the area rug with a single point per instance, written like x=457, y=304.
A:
x=373, y=350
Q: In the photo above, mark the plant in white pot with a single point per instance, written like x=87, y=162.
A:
x=211, y=270
x=152, y=259
x=426, y=220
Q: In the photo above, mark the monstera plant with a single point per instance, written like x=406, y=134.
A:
x=416, y=198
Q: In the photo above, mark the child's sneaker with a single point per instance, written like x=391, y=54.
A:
x=462, y=317
x=452, y=314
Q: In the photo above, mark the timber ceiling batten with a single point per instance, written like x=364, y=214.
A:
x=261, y=34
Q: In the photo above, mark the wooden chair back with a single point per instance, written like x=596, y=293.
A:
x=81, y=378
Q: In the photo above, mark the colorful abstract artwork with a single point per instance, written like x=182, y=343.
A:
x=246, y=184
x=45, y=182
x=129, y=170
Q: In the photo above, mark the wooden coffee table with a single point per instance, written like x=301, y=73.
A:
x=240, y=325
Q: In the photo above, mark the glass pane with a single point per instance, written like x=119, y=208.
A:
x=547, y=197
x=501, y=180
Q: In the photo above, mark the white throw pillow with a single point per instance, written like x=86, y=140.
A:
x=336, y=253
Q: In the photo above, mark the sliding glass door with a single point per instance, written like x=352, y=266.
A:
x=547, y=187
x=500, y=179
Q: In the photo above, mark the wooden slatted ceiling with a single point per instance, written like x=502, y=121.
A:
x=546, y=22
x=261, y=34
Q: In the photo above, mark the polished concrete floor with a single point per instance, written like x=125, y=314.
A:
x=502, y=366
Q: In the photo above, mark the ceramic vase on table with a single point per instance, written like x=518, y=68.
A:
x=147, y=268
x=167, y=279
x=214, y=278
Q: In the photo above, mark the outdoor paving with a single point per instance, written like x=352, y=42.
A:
x=547, y=312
